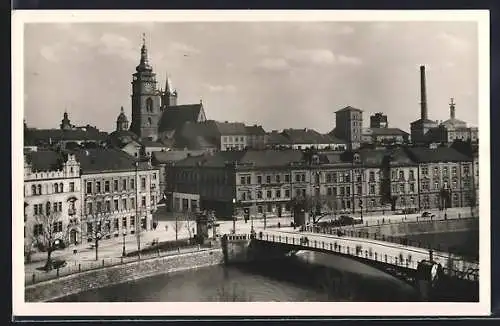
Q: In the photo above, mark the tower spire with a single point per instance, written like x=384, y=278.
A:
x=167, y=84
x=144, y=64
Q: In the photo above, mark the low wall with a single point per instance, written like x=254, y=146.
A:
x=420, y=227
x=76, y=283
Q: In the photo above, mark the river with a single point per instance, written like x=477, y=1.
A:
x=308, y=276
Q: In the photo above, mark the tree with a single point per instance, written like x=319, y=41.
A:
x=46, y=232
x=101, y=227
x=178, y=227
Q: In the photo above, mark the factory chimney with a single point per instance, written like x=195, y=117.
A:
x=452, y=109
x=423, y=94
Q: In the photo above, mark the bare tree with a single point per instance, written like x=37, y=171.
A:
x=177, y=228
x=46, y=230
x=101, y=228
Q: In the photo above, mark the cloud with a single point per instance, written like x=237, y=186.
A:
x=453, y=41
x=315, y=56
x=220, y=88
x=181, y=47
x=49, y=53
x=275, y=64
x=113, y=44
x=343, y=59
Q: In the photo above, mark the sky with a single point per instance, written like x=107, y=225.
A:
x=275, y=74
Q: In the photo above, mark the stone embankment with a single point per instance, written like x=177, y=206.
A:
x=421, y=227
x=76, y=283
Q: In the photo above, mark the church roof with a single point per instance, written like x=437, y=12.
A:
x=174, y=117
x=454, y=123
x=121, y=138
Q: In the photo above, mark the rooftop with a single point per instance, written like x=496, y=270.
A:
x=440, y=154
x=175, y=116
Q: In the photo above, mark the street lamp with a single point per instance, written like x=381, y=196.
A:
x=124, y=234
x=97, y=238
x=234, y=215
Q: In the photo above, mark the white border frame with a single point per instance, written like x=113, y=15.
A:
x=20, y=308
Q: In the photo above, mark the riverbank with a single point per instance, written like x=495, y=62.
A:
x=128, y=272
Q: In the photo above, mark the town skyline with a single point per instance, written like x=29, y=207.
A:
x=271, y=74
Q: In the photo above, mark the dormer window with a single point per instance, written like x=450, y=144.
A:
x=356, y=158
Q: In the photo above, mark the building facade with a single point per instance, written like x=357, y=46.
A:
x=118, y=194
x=52, y=195
x=348, y=126
x=360, y=181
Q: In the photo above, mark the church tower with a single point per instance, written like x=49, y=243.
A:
x=169, y=96
x=122, y=121
x=65, y=122
x=146, y=100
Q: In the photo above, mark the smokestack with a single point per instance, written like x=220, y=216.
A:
x=423, y=94
x=452, y=109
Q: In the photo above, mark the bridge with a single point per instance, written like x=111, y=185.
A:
x=408, y=263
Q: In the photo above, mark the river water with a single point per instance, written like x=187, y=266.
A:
x=308, y=276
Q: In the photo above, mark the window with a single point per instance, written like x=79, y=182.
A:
x=342, y=191
x=287, y=178
x=242, y=180
x=454, y=184
x=347, y=177
x=425, y=171
x=401, y=188
x=143, y=183
x=149, y=104
x=259, y=194
x=436, y=171
x=143, y=201
x=116, y=224
x=297, y=192
x=132, y=221
x=334, y=177
x=287, y=193
x=297, y=177
x=56, y=188
x=55, y=207
x=268, y=179
x=72, y=187
x=132, y=184
x=259, y=209
x=89, y=208
x=278, y=193
x=115, y=203
x=372, y=189
x=412, y=187
x=329, y=191
x=436, y=185
x=89, y=187
x=115, y=185
x=394, y=174
x=259, y=179
x=57, y=227
x=372, y=176
x=106, y=186
x=303, y=178
x=278, y=178
x=61, y=187
x=124, y=222
x=47, y=209
x=33, y=190
x=360, y=190
x=98, y=207
x=401, y=175
x=454, y=171
x=39, y=188
x=124, y=184
x=108, y=206
x=98, y=187
x=334, y=190
x=132, y=203
x=37, y=230
x=249, y=179
x=269, y=194
x=412, y=175
x=328, y=178
x=303, y=192
x=347, y=191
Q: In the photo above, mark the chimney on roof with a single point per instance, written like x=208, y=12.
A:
x=423, y=95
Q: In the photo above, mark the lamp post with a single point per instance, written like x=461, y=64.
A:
x=98, y=236
x=234, y=215
x=124, y=253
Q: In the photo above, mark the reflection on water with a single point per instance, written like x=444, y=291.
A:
x=307, y=277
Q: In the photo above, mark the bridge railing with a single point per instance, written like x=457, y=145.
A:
x=407, y=261
x=400, y=240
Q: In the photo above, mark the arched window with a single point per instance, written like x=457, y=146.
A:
x=39, y=188
x=149, y=105
x=47, y=208
x=56, y=188
x=33, y=190
x=149, y=122
x=61, y=187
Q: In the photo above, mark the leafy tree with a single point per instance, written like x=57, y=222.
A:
x=101, y=228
